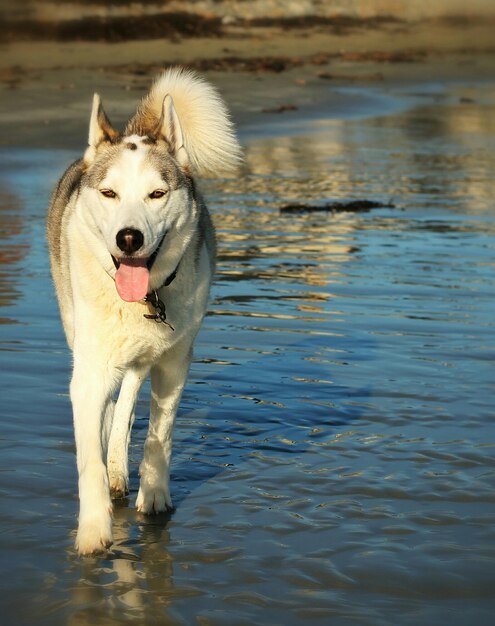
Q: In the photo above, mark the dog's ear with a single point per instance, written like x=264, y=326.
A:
x=100, y=130
x=171, y=129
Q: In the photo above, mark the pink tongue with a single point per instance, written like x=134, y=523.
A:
x=132, y=279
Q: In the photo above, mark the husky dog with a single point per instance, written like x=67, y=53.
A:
x=132, y=251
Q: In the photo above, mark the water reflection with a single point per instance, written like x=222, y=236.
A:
x=448, y=151
x=134, y=583
x=13, y=249
x=424, y=151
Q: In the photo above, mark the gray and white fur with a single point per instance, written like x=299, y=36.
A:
x=125, y=220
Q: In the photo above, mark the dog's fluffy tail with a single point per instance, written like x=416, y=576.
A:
x=208, y=133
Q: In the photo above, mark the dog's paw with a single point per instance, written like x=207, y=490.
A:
x=152, y=500
x=94, y=537
x=119, y=485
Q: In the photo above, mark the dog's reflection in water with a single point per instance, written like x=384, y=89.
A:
x=131, y=583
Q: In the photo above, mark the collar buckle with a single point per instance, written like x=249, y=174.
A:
x=152, y=298
x=160, y=315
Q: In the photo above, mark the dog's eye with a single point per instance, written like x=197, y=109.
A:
x=158, y=193
x=108, y=193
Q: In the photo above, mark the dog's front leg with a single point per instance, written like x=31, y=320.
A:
x=123, y=418
x=91, y=389
x=168, y=378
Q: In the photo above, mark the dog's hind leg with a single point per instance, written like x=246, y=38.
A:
x=107, y=425
x=168, y=378
x=118, y=444
x=92, y=388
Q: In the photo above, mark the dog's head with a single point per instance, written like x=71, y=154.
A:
x=137, y=195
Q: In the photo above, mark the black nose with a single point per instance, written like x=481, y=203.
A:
x=129, y=240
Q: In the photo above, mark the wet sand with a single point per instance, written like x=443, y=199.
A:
x=46, y=87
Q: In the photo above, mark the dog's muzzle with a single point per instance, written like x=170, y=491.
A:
x=151, y=259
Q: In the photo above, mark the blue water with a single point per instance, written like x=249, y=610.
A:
x=334, y=452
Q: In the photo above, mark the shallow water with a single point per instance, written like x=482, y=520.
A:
x=334, y=453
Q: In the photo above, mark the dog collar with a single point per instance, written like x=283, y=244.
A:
x=152, y=298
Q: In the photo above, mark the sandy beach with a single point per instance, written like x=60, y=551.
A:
x=46, y=86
